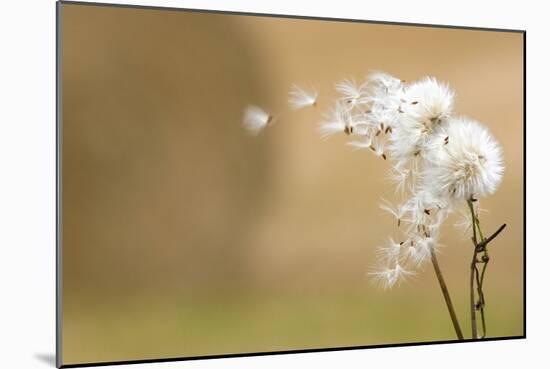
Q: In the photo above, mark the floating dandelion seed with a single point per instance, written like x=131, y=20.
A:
x=300, y=98
x=256, y=119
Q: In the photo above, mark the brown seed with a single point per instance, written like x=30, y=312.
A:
x=378, y=133
x=427, y=211
x=384, y=156
x=414, y=103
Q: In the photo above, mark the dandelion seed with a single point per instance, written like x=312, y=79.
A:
x=349, y=90
x=387, y=277
x=377, y=147
x=390, y=252
x=300, y=98
x=256, y=119
x=361, y=145
x=337, y=121
x=398, y=212
x=421, y=250
x=386, y=82
x=400, y=178
x=464, y=221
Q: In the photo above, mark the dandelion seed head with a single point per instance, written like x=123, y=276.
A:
x=470, y=165
x=429, y=101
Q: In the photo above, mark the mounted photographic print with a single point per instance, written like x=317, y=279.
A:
x=239, y=184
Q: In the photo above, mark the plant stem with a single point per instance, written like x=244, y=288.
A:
x=446, y=295
x=472, y=296
x=473, y=268
x=476, y=278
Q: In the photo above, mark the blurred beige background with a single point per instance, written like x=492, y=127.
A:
x=184, y=236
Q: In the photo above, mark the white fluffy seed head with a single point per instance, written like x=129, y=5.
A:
x=469, y=165
x=429, y=101
x=424, y=108
x=255, y=119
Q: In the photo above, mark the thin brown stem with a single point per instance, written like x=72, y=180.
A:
x=477, y=278
x=473, y=269
x=473, y=297
x=481, y=303
x=486, y=241
x=446, y=295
